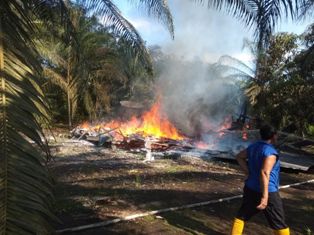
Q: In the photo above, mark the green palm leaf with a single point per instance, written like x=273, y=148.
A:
x=25, y=186
x=262, y=15
x=56, y=78
x=123, y=29
x=232, y=66
x=160, y=10
x=237, y=8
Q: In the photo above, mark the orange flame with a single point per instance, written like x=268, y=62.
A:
x=152, y=123
x=156, y=125
x=226, y=124
x=245, y=134
x=203, y=145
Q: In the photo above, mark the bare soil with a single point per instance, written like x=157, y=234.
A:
x=97, y=184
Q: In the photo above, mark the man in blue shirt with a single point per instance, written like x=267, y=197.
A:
x=260, y=162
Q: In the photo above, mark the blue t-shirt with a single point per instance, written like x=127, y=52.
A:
x=256, y=154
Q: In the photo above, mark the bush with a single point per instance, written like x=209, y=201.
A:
x=310, y=130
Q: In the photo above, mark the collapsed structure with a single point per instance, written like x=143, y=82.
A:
x=154, y=135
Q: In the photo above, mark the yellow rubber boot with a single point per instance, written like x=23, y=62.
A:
x=285, y=231
x=237, y=227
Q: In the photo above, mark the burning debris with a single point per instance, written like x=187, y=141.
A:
x=153, y=134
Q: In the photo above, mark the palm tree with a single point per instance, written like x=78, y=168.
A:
x=103, y=72
x=100, y=68
x=234, y=68
x=69, y=61
x=111, y=16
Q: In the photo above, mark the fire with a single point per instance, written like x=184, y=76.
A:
x=245, y=132
x=155, y=124
x=203, y=145
x=226, y=124
x=152, y=123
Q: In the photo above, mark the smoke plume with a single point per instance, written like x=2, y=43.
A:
x=195, y=95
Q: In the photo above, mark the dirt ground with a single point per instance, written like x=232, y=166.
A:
x=97, y=184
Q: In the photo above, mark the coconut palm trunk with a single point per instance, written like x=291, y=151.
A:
x=69, y=99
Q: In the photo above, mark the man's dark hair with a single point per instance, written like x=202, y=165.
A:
x=267, y=132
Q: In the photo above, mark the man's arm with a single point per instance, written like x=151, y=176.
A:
x=268, y=164
x=241, y=159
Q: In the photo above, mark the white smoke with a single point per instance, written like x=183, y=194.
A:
x=205, y=33
x=195, y=96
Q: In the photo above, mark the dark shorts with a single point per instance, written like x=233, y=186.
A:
x=273, y=212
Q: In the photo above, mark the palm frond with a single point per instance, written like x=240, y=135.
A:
x=306, y=9
x=56, y=79
x=159, y=9
x=121, y=27
x=262, y=15
x=52, y=12
x=237, y=8
x=49, y=52
x=25, y=187
x=235, y=63
x=253, y=91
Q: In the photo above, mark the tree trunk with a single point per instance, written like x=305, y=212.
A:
x=69, y=95
x=69, y=111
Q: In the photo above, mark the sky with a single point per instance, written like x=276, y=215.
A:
x=199, y=32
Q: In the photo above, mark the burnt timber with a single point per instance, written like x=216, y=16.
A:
x=293, y=150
